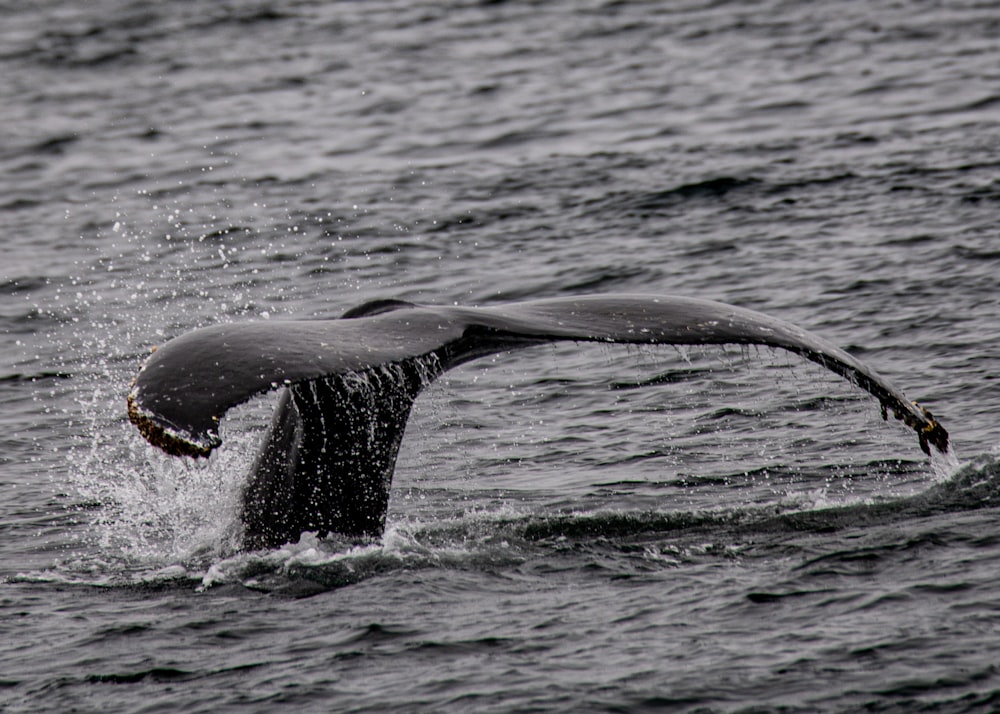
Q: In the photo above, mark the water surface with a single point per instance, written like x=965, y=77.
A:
x=571, y=528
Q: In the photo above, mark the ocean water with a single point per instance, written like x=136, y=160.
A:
x=572, y=528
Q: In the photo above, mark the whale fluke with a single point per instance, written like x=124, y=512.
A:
x=326, y=463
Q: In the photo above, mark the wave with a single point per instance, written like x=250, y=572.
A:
x=503, y=539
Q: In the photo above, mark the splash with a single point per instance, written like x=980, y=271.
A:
x=315, y=565
x=157, y=510
x=139, y=509
x=945, y=466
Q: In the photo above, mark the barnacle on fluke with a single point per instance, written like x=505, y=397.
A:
x=170, y=440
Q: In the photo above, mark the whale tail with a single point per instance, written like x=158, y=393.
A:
x=327, y=460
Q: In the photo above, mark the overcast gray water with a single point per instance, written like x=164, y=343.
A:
x=573, y=528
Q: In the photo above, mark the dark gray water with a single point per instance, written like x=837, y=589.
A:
x=572, y=528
